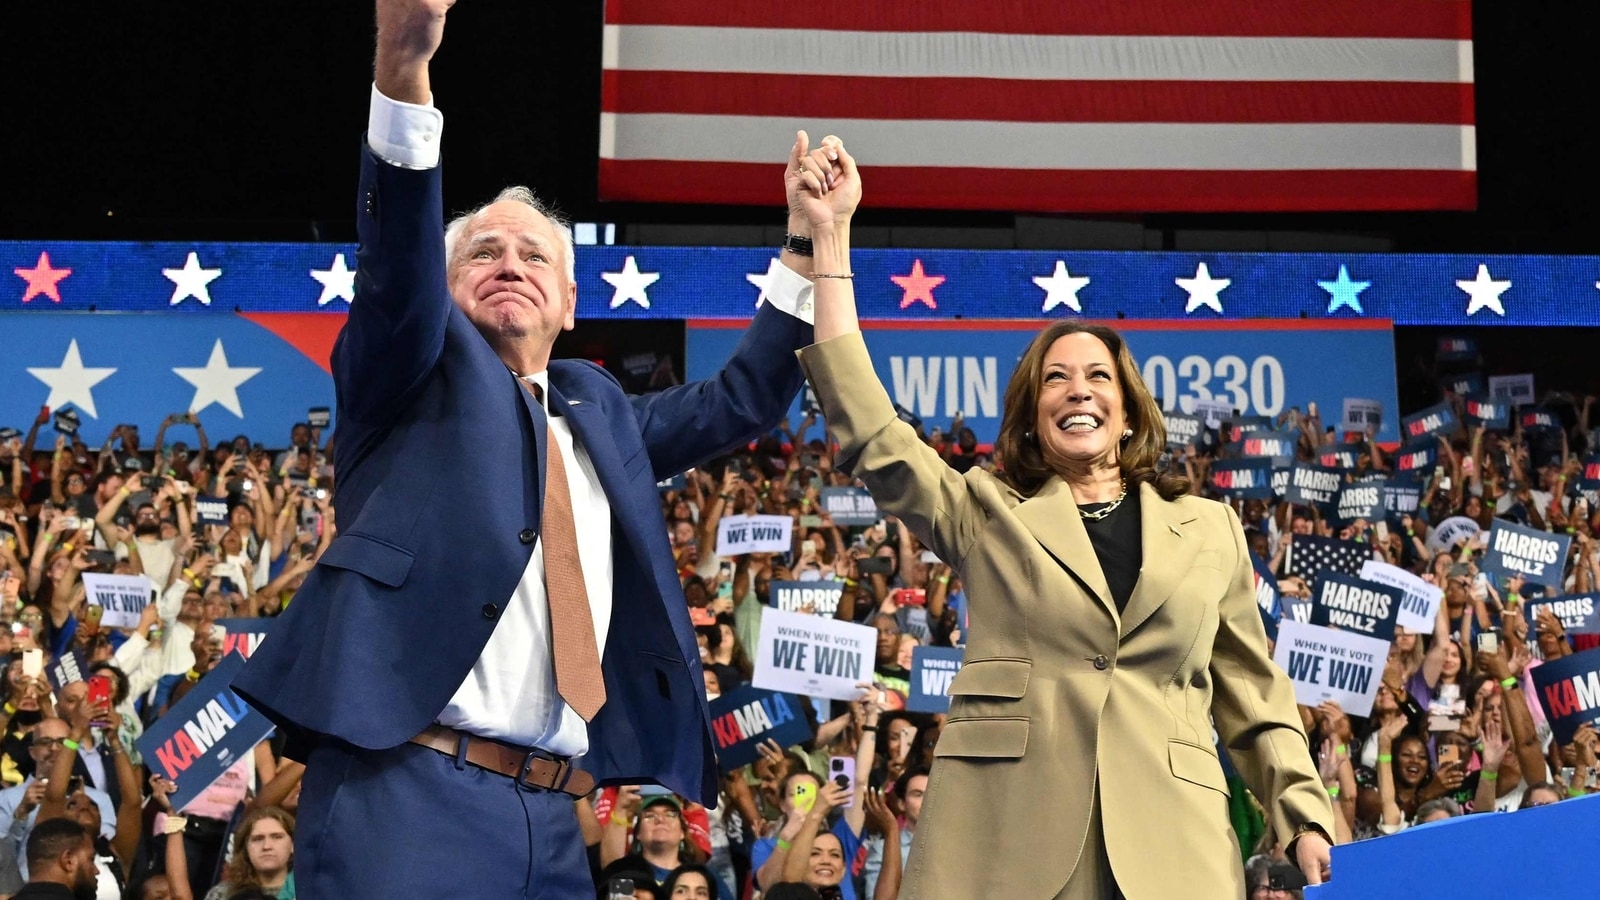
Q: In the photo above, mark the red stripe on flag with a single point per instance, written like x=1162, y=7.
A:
x=1001, y=100
x=1048, y=190
x=1442, y=19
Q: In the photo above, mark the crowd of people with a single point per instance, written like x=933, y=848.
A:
x=80, y=810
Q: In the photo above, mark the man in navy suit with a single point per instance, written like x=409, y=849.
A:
x=416, y=670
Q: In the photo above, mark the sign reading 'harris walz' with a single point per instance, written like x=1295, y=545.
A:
x=203, y=734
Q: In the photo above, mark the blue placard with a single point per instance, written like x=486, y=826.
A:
x=676, y=483
x=1353, y=604
x=1538, y=419
x=745, y=717
x=211, y=510
x=1438, y=419
x=1457, y=349
x=932, y=670
x=1265, y=443
x=1340, y=456
x=245, y=635
x=67, y=669
x=850, y=507
x=1243, y=425
x=1362, y=500
x=794, y=596
x=1463, y=383
x=1298, y=609
x=1569, y=692
x=1492, y=413
x=1313, y=486
x=204, y=734
x=1417, y=458
x=1183, y=429
x=1259, y=368
x=1577, y=613
x=1268, y=601
x=1247, y=479
x=1537, y=556
x=1589, y=478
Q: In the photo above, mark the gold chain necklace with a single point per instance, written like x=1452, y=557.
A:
x=1101, y=514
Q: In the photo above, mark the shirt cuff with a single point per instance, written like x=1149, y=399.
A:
x=404, y=134
x=790, y=292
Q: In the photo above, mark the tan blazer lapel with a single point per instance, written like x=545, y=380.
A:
x=1168, y=546
x=1051, y=516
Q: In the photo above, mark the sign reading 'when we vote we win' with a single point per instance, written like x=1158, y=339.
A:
x=738, y=535
x=1326, y=664
x=812, y=655
x=203, y=734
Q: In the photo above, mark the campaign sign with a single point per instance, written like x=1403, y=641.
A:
x=676, y=483
x=1324, y=664
x=1539, y=419
x=211, y=510
x=1362, y=415
x=1517, y=389
x=1577, y=613
x=244, y=635
x=1537, y=556
x=1297, y=609
x=1213, y=411
x=1419, y=600
x=1280, y=476
x=1589, y=478
x=1248, y=479
x=1313, y=486
x=1456, y=349
x=67, y=669
x=932, y=670
x=1451, y=532
x=203, y=734
x=1362, y=500
x=849, y=506
x=123, y=597
x=1438, y=419
x=1492, y=413
x=801, y=654
x=1265, y=443
x=1355, y=604
x=1417, y=457
x=1569, y=692
x=745, y=717
x=1268, y=601
x=794, y=596
x=1401, y=496
x=1340, y=456
x=1183, y=430
x=1462, y=384
x=1243, y=425
x=738, y=535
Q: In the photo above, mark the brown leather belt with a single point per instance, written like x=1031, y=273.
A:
x=529, y=768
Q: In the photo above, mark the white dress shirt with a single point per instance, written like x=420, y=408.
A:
x=510, y=694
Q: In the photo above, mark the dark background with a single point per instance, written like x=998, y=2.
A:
x=187, y=120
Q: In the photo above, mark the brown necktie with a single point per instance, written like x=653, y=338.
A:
x=578, y=677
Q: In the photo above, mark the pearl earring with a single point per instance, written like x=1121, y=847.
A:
x=1127, y=433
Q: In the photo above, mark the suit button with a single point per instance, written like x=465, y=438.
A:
x=1100, y=662
x=527, y=535
x=490, y=610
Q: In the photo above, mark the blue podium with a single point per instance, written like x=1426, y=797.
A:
x=1554, y=841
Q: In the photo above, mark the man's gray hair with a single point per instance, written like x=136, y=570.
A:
x=515, y=194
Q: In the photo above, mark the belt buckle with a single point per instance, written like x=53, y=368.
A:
x=562, y=776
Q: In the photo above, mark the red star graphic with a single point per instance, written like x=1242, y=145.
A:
x=918, y=286
x=42, y=279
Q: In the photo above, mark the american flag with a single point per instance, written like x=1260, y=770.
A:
x=1052, y=105
x=1309, y=555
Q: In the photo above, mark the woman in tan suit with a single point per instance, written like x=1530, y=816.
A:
x=1113, y=624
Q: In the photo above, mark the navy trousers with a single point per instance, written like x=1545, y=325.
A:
x=412, y=822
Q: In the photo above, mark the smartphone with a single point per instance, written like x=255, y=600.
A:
x=930, y=557
x=99, y=693
x=653, y=790
x=620, y=889
x=1449, y=754
x=33, y=663
x=804, y=797
x=1567, y=774
x=810, y=521
x=910, y=597
x=842, y=772
x=1488, y=642
x=102, y=558
x=93, y=613
x=71, y=523
x=875, y=565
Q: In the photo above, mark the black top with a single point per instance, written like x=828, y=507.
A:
x=44, y=890
x=1117, y=545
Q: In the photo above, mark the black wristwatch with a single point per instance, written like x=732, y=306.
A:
x=800, y=246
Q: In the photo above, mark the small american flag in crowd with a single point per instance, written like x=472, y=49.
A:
x=1309, y=555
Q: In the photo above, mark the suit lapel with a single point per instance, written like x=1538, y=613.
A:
x=1051, y=516
x=1168, y=544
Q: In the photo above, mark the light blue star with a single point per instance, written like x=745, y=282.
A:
x=1344, y=292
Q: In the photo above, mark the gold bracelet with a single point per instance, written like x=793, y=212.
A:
x=844, y=275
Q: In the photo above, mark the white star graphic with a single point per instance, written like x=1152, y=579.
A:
x=71, y=382
x=1484, y=291
x=763, y=280
x=217, y=383
x=191, y=280
x=1061, y=288
x=1203, y=289
x=630, y=284
x=338, y=282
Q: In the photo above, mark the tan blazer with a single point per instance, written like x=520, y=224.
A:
x=1059, y=692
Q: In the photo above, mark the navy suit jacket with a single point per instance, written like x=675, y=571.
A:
x=441, y=466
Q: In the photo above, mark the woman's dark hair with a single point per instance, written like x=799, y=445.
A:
x=686, y=868
x=741, y=659
x=1024, y=465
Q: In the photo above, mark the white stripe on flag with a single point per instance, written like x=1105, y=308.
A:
x=783, y=51
x=1047, y=145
